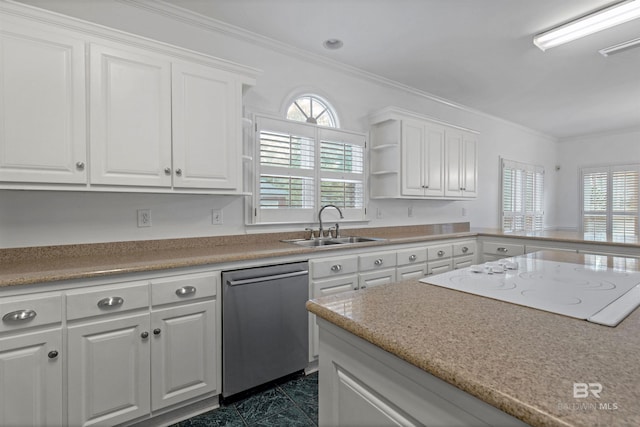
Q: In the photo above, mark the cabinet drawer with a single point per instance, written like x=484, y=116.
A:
x=107, y=299
x=464, y=248
x=437, y=267
x=30, y=310
x=502, y=249
x=322, y=288
x=439, y=252
x=413, y=271
x=327, y=267
x=184, y=288
x=411, y=256
x=376, y=278
x=462, y=262
x=377, y=261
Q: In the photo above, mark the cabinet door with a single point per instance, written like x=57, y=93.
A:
x=412, y=158
x=42, y=105
x=130, y=118
x=433, y=160
x=185, y=355
x=206, y=105
x=31, y=379
x=469, y=164
x=109, y=380
x=454, y=169
x=322, y=288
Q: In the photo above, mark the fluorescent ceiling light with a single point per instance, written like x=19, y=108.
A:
x=620, y=47
x=597, y=21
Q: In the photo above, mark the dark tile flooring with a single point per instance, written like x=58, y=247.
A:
x=290, y=403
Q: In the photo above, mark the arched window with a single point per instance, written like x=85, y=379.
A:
x=311, y=108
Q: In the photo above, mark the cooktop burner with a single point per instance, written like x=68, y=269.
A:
x=599, y=295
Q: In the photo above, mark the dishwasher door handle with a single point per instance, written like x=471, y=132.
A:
x=267, y=278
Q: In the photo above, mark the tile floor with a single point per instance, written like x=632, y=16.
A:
x=290, y=403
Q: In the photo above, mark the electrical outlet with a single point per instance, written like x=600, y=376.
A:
x=144, y=217
x=464, y=211
x=410, y=211
x=216, y=216
x=379, y=213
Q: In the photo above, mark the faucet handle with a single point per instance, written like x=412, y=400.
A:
x=308, y=233
x=332, y=232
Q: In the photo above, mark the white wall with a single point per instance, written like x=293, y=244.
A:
x=622, y=147
x=41, y=218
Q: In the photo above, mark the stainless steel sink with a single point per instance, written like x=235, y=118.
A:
x=331, y=241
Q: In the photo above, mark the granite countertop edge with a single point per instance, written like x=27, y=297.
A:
x=134, y=257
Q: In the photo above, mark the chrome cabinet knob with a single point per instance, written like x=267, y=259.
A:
x=53, y=354
x=167, y=171
x=80, y=166
x=503, y=250
x=378, y=262
x=440, y=253
x=144, y=335
x=465, y=249
x=413, y=258
x=179, y=172
x=336, y=268
x=156, y=331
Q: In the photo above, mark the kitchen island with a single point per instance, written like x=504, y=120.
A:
x=423, y=354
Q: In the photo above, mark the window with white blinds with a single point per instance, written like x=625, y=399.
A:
x=522, y=196
x=302, y=167
x=610, y=202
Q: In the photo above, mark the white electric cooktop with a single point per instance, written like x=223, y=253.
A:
x=599, y=295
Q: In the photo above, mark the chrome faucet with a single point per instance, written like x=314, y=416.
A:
x=320, y=216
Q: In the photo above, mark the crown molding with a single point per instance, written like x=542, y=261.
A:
x=213, y=25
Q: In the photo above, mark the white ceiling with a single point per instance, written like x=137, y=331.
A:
x=477, y=53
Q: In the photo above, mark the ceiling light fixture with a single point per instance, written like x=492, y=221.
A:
x=620, y=47
x=597, y=21
x=333, y=44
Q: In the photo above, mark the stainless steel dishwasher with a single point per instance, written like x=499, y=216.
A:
x=265, y=332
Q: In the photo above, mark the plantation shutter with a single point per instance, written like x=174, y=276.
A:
x=624, y=195
x=301, y=167
x=342, y=171
x=286, y=171
x=610, y=202
x=522, y=196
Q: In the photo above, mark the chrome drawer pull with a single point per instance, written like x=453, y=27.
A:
x=465, y=249
x=19, y=316
x=336, y=267
x=110, y=302
x=52, y=354
x=185, y=290
x=440, y=253
x=413, y=258
x=378, y=261
x=503, y=250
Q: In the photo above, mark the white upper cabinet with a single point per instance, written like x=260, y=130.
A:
x=42, y=104
x=416, y=157
x=109, y=111
x=130, y=118
x=206, y=127
x=461, y=157
x=422, y=158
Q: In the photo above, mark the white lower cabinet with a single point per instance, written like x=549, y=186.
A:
x=31, y=379
x=124, y=352
x=31, y=360
x=108, y=375
x=183, y=353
